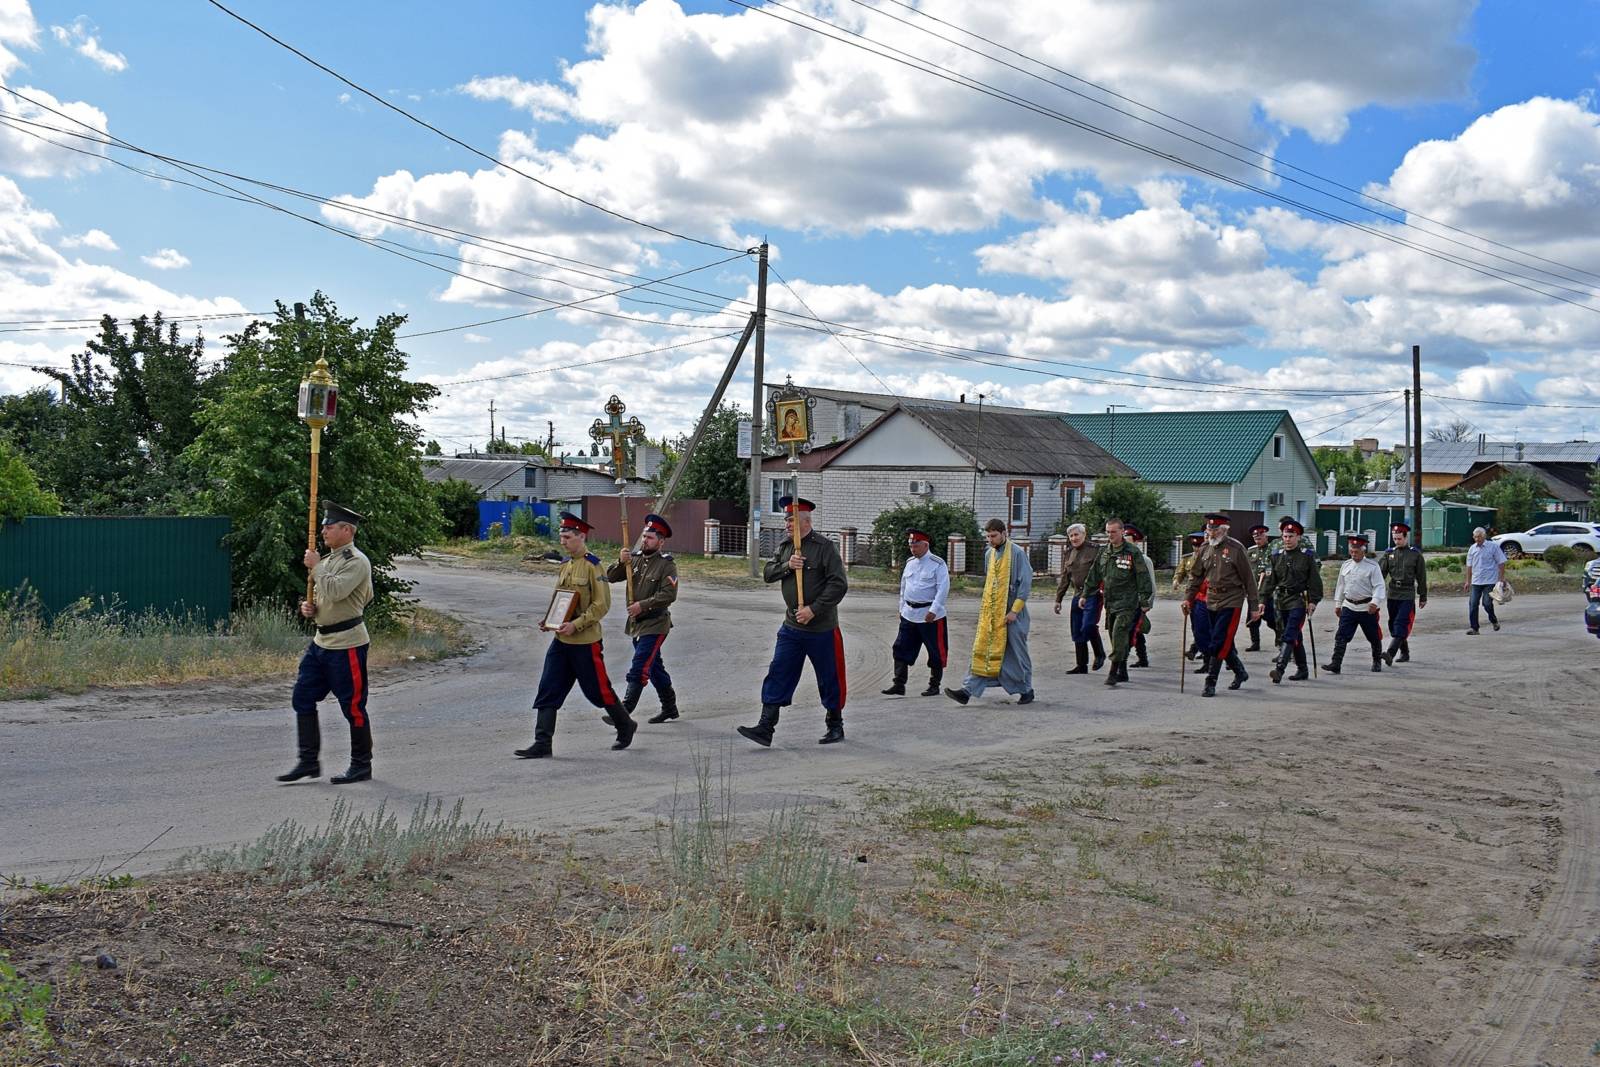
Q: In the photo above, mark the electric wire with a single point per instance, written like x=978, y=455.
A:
x=1269, y=159
x=375, y=98
x=587, y=363
x=929, y=67
x=1347, y=422
x=1513, y=403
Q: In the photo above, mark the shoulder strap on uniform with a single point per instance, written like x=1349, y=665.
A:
x=592, y=558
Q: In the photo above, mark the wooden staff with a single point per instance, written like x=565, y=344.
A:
x=311, y=521
x=1183, y=646
x=627, y=548
x=1305, y=598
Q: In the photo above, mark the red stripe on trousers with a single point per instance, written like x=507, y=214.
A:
x=944, y=651
x=358, y=695
x=1411, y=624
x=644, y=674
x=1233, y=628
x=838, y=663
x=606, y=692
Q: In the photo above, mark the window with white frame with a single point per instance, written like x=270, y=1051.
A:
x=781, y=487
x=1021, y=496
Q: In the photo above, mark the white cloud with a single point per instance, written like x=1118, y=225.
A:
x=541, y=100
x=475, y=338
x=17, y=30
x=166, y=259
x=28, y=155
x=90, y=239
x=80, y=37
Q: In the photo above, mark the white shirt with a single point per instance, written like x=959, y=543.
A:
x=925, y=580
x=1358, y=579
x=1483, y=562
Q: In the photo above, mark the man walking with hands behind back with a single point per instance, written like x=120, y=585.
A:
x=924, y=586
x=1486, y=568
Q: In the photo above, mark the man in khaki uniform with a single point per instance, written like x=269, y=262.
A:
x=336, y=660
x=1223, y=570
x=576, y=656
x=655, y=587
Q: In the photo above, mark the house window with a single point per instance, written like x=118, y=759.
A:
x=781, y=487
x=1277, y=446
x=1071, y=497
x=1020, y=496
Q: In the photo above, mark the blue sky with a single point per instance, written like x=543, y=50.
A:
x=893, y=202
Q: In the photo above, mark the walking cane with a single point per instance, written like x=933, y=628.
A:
x=1310, y=633
x=1183, y=646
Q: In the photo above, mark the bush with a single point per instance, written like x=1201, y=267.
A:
x=458, y=502
x=1131, y=501
x=938, y=520
x=1560, y=557
x=496, y=531
x=524, y=523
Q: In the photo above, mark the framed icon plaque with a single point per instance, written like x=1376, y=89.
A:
x=563, y=605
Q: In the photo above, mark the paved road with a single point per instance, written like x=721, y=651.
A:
x=89, y=780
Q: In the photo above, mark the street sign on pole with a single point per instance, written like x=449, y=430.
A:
x=744, y=439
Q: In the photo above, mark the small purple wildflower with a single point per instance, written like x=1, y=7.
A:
x=761, y=1028
x=680, y=949
x=779, y=1028
x=1098, y=1056
x=878, y=958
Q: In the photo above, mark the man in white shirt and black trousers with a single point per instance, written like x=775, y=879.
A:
x=924, y=587
x=1357, y=601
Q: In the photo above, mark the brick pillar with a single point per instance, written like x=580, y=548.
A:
x=1059, y=543
x=712, y=543
x=847, y=545
x=956, y=554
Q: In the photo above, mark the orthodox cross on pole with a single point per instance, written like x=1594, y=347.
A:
x=620, y=434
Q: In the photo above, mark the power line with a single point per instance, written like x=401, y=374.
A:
x=945, y=74
x=587, y=363
x=375, y=98
x=164, y=318
x=1267, y=157
x=1513, y=403
x=1347, y=422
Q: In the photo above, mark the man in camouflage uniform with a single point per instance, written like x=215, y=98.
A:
x=1405, y=571
x=1260, y=556
x=1119, y=574
x=1294, y=584
x=655, y=587
x=1141, y=621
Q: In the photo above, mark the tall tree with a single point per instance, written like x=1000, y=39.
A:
x=715, y=471
x=254, y=449
x=1457, y=430
x=32, y=422
x=1131, y=501
x=20, y=495
x=1594, y=493
x=1351, y=472
x=1516, y=498
x=129, y=411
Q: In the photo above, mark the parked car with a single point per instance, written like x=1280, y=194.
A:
x=1582, y=537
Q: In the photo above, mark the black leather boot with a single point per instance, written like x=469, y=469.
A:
x=305, y=768
x=960, y=696
x=1405, y=650
x=1080, y=654
x=669, y=706
x=1301, y=669
x=1114, y=675
x=1204, y=666
x=898, y=687
x=358, y=771
x=1144, y=656
x=1377, y=659
x=630, y=700
x=935, y=676
x=835, y=724
x=761, y=732
x=1099, y=649
x=1389, y=653
x=1255, y=637
x=1213, y=668
x=544, y=732
x=1236, y=665
x=308, y=736
x=625, y=725
x=1338, y=658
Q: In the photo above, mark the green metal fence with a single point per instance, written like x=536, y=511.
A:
x=163, y=564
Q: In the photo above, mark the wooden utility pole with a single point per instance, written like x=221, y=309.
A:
x=491, y=425
x=756, y=407
x=1416, y=443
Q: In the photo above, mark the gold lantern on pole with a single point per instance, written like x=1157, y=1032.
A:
x=319, y=399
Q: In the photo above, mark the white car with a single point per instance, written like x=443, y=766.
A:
x=1582, y=537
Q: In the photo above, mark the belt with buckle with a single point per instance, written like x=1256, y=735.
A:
x=340, y=627
x=1356, y=600
x=918, y=603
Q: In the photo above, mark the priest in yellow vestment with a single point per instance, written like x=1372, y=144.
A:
x=1000, y=648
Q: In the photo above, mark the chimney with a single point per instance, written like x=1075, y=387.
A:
x=1480, y=444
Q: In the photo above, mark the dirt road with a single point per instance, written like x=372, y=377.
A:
x=1498, y=721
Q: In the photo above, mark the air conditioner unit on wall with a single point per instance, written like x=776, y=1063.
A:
x=920, y=488
x=1274, y=500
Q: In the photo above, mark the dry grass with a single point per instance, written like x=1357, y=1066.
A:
x=86, y=647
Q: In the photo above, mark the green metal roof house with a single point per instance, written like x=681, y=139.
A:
x=1214, y=460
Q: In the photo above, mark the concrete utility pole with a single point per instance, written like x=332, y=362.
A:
x=1416, y=444
x=756, y=408
x=491, y=425
x=668, y=491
